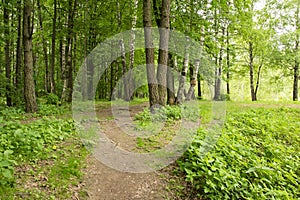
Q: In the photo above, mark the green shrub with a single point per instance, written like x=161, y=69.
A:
x=256, y=157
x=225, y=97
x=160, y=114
x=52, y=99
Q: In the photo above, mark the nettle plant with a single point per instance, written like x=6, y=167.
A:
x=256, y=157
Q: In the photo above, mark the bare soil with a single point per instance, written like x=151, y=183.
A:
x=104, y=183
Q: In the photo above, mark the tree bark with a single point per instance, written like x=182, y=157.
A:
x=152, y=82
x=253, y=95
x=181, y=88
x=219, y=70
x=18, y=82
x=191, y=92
x=45, y=51
x=125, y=79
x=164, y=25
x=53, y=46
x=258, y=79
x=7, y=53
x=296, y=66
x=170, y=82
x=68, y=71
x=29, y=87
x=132, y=48
x=228, y=61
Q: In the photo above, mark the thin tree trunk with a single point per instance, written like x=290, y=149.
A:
x=258, y=79
x=132, y=48
x=170, y=82
x=7, y=53
x=19, y=55
x=199, y=87
x=152, y=82
x=198, y=75
x=45, y=51
x=219, y=70
x=253, y=95
x=191, y=92
x=29, y=87
x=296, y=66
x=180, y=92
x=53, y=46
x=228, y=61
x=125, y=79
x=68, y=71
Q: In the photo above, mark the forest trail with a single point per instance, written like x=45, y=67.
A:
x=105, y=183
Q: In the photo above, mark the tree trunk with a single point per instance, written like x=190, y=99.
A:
x=152, y=83
x=7, y=53
x=29, y=87
x=219, y=70
x=45, y=51
x=125, y=79
x=258, y=79
x=198, y=75
x=68, y=71
x=19, y=56
x=164, y=25
x=53, y=46
x=132, y=48
x=228, y=61
x=199, y=86
x=191, y=92
x=170, y=82
x=253, y=95
x=296, y=66
x=180, y=92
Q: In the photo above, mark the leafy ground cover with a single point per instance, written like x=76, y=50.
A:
x=41, y=156
x=256, y=157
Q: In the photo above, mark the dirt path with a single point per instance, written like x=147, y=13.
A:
x=104, y=183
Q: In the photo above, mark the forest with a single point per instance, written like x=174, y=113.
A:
x=231, y=66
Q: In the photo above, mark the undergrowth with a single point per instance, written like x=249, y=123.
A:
x=40, y=157
x=256, y=157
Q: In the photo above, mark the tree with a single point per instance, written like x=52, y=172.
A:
x=53, y=48
x=296, y=66
x=68, y=69
x=7, y=53
x=152, y=82
x=163, y=22
x=45, y=50
x=29, y=86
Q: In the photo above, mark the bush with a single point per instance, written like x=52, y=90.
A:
x=225, y=97
x=161, y=114
x=52, y=99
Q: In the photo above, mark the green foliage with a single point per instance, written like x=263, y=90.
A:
x=52, y=99
x=30, y=142
x=48, y=110
x=256, y=157
x=6, y=169
x=161, y=114
x=225, y=97
x=11, y=113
